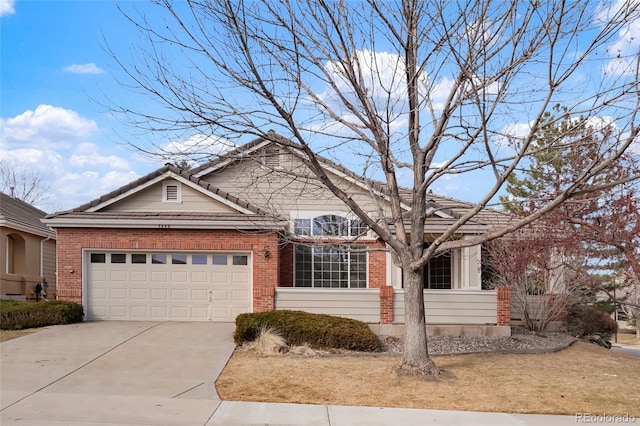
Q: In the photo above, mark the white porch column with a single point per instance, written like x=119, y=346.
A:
x=471, y=268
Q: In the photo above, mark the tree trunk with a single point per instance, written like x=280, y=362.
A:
x=415, y=359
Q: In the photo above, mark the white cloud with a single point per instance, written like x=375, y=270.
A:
x=47, y=126
x=88, y=154
x=89, y=68
x=625, y=47
x=197, y=147
x=57, y=144
x=511, y=136
x=7, y=7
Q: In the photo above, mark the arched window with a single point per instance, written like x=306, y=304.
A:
x=329, y=225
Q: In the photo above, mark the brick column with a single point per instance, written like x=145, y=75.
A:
x=504, y=306
x=266, y=302
x=386, y=304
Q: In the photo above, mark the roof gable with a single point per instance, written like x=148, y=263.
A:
x=167, y=172
x=17, y=214
x=437, y=206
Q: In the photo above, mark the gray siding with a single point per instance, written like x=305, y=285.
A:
x=452, y=307
x=49, y=267
x=280, y=191
x=538, y=306
x=150, y=199
x=363, y=305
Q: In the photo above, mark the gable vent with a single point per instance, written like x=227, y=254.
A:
x=272, y=158
x=171, y=192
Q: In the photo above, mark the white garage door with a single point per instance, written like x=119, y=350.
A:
x=167, y=286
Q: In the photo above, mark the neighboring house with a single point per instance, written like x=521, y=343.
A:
x=27, y=251
x=254, y=231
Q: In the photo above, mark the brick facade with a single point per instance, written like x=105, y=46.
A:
x=386, y=304
x=504, y=306
x=72, y=242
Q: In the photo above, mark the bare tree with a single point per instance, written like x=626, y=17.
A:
x=425, y=88
x=543, y=269
x=23, y=184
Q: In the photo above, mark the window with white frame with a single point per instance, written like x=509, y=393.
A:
x=322, y=266
x=171, y=192
x=326, y=265
x=329, y=225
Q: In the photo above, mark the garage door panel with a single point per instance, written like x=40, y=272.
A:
x=239, y=295
x=199, y=313
x=159, y=294
x=138, y=294
x=118, y=275
x=159, y=277
x=179, y=277
x=118, y=293
x=159, y=312
x=99, y=294
x=179, y=313
x=240, y=278
x=199, y=295
x=199, y=276
x=209, y=287
x=139, y=312
x=100, y=275
x=220, y=295
x=118, y=311
x=219, y=313
x=179, y=294
x=139, y=276
x=220, y=277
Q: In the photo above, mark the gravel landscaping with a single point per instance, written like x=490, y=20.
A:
x=519, y=342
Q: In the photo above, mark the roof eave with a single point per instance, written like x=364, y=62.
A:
x=235, y=224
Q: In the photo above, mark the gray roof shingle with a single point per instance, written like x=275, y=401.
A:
x=19, y=215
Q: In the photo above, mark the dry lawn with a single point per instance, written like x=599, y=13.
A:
x=582, y=378
x=14, y=334
x=627, y=339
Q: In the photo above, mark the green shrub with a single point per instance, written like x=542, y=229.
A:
x=19, y=315
x=298, y=328
x=584, y=320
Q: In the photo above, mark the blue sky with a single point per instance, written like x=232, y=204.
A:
x=55, y=72
x=55, y=77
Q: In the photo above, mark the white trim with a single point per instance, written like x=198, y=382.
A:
x=312, y=247
x=177, y=178
x=165, y=191
x=312, y=214
x=130, y=192
x=162, y=224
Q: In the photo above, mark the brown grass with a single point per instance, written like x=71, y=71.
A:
x=14, y=334
x=582, y=378
x=628, y=339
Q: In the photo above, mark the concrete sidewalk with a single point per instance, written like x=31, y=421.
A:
x=142, y=373
x=163, y=411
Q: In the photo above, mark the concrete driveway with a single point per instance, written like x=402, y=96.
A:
x=114, y=372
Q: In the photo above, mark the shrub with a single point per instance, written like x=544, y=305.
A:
x=298, y=328
x=585, y=320
x=19, y=315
